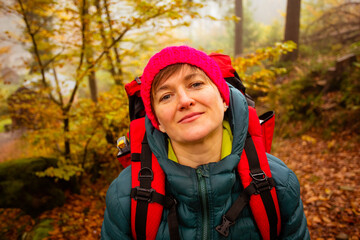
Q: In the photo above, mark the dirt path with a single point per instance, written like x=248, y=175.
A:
x=10, y=145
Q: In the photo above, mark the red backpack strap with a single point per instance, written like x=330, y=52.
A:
x=258, y=185
x=267, y=121
x=148, y=188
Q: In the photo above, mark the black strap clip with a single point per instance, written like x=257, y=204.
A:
x=261, y=181
x=142, y=194
x=145, y=173
x=223, y=228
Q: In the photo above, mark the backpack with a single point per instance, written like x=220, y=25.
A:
x=148, y=197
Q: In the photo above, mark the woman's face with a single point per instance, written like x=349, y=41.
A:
x=188, y=106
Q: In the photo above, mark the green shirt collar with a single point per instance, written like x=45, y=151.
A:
x=226, y=144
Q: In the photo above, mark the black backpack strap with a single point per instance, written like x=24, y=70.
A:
x=144, y=195
x=144, y=191
x=261, y=184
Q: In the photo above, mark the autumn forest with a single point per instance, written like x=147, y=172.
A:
x=64, y=65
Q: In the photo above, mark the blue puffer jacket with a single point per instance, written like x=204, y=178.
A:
x=223, y=186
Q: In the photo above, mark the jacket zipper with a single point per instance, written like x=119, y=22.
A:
x=204, y=204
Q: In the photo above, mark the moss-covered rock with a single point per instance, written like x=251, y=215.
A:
x=21, y=188
x=40, y=231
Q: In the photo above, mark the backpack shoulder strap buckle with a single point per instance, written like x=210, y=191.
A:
x=261, y=181
x=142, y=194
x=259, y=176
x=223, y=228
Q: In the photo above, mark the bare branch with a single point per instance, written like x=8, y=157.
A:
x=54, y=57
x=109, y=20
x=35, y=45
x=58, y=90
x=104, y=40
x=72, y=97
x=83, y=29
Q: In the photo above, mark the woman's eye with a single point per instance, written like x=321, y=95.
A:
x=197, y=84
x=165, y=97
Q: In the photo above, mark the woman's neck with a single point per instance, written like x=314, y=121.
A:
x=201, y=152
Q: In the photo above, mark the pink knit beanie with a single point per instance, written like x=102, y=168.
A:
x=179, y=54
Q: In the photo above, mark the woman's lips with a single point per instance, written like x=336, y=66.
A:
x=190, y=117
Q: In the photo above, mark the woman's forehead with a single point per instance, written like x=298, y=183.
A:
x=186, y=71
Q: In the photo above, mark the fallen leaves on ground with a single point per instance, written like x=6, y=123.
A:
x=329, y=175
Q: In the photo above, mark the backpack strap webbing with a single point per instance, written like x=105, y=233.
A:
x=148, y=189
x=258, y=185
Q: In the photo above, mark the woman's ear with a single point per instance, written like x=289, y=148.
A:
x=225, y=106
x=161, y=128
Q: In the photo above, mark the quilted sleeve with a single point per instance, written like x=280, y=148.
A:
x=116, y=224
x=293, y=220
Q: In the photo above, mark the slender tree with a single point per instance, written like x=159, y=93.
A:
x=292, y=27
x=238, y=45
x=87, y=48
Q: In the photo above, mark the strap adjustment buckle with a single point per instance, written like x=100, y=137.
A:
x=145, y=173
x=143, y=194
x=138, y=80
x=223, y=228
x=261, y=181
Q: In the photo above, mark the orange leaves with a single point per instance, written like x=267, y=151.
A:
x=81, y=217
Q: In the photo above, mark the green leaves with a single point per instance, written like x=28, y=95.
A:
x=63, y=171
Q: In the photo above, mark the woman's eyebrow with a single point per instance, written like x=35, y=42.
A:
x=161, y=88
x=192, y=75
x=188, y=77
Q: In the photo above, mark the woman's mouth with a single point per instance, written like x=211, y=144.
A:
x=190, y=117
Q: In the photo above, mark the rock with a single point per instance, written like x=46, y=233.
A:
x=40, y=231
x=21, y=188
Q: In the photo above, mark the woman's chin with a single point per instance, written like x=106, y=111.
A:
x=191, y=136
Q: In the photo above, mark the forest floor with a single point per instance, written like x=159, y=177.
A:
x=329, y=175
x=328, y=171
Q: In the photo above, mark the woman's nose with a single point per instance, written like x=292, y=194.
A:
x=185, y=100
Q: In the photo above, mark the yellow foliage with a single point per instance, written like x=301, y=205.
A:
x=256, y=70
x=308, y=139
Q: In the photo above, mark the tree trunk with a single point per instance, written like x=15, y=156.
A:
x=292, y=27
x=87, y=47
x=66, y=138
x=118, y=78
x=93, y=86
x=238, y=45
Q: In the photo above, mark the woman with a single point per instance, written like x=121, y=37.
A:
x=196, y=127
